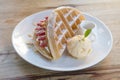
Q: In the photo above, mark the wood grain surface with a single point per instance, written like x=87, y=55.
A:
x=12, y=67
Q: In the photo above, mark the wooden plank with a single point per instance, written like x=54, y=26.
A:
x=93, y=73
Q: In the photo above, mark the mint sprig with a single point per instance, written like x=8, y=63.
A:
x=87, y=32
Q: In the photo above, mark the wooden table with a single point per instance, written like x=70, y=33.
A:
x=12, y=67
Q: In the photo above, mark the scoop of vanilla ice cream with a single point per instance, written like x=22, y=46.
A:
x=78, y=46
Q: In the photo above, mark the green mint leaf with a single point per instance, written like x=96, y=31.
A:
x=87, y=32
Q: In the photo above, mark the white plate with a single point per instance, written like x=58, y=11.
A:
x=101, y=46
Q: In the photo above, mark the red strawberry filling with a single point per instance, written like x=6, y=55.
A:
x=41, y=38
x=40, y=32
x=43, y=43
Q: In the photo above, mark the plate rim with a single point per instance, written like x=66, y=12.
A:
x=61, y=69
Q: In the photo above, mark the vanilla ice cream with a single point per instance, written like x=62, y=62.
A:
x=79, y=47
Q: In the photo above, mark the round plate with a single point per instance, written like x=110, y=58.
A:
x=101, y=46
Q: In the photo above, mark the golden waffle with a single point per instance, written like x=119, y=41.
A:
x=63, y=24
x=43, y=50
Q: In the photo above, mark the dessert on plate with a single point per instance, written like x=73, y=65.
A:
x=59, y=30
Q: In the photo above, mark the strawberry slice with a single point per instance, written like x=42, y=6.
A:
x=43, y=43
x=46, y=18
x=40, y=33
x=41, y=38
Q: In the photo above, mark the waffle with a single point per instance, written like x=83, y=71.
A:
x=44, y=51
x=63, y=24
